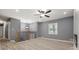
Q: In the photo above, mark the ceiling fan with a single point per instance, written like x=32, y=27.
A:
x=43, y=13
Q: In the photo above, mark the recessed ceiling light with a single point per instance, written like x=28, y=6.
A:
x=17, y=10
x=65, y=12
x=1, y=21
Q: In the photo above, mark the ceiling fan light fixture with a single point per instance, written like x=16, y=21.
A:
x=42, y=15
x=43, y=12
x=37, y=12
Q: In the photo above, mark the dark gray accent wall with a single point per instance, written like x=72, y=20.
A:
x=65, y=29
x=14, y=28
x=1, y=30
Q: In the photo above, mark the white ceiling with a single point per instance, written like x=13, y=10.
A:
x=29, y=15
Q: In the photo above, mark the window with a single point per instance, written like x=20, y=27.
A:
x=53, y=28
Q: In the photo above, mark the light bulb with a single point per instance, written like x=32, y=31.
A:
x=65, y=12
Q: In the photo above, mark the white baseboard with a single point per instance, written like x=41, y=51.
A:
x=57, y=40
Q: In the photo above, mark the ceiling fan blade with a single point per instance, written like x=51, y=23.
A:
x=48, y=11
x=47, y=16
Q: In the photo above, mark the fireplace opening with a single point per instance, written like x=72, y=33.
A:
x=76, y=40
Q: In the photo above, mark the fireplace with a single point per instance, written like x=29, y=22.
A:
x=76, y=40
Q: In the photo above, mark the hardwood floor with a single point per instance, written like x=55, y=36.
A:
x=37, y=44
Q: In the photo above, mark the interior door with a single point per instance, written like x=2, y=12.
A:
x=1, y=30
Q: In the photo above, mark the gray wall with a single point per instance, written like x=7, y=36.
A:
x=14, y=28
x=23, y=25
x=65, y=29
x=76, y=24
x=33, y=27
